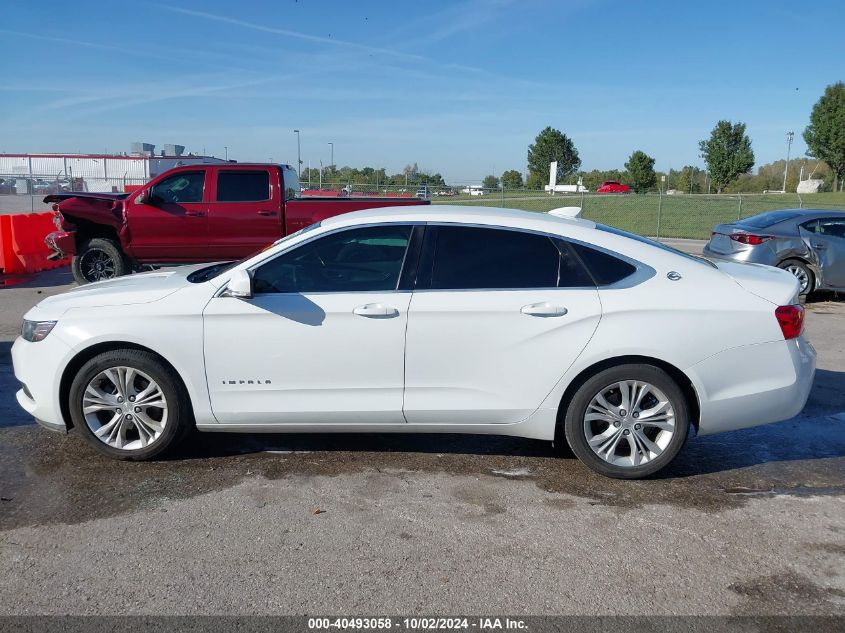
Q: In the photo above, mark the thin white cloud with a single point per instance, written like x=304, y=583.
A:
x=317, y=39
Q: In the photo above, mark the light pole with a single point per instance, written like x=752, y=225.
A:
x=226, y=150
x=298, y=157
x=332, y=144
x=789, y=136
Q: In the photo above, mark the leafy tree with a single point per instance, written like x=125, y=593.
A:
x=825, y=136
x=552, y=145
x=641, y=174
x=490, y=182
x=727, y=153
x=512, y=179
x=688, y=180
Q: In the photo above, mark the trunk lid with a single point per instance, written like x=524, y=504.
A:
x=767, y=282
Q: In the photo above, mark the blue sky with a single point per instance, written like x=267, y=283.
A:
x=457, y=87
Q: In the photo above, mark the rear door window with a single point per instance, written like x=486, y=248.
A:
x=477, y=258
x=243, y=186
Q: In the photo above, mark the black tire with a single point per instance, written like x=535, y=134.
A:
x=574, y=425
x=179, y=418
x=800, y=269
x=97, y=259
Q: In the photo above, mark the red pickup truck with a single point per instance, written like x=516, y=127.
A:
x=199, y=213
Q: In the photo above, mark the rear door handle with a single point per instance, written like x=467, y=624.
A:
x=375, y=310
x=544, y=309
x=195, y=214
x=265, y=212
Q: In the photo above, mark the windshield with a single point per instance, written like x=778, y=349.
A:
x=660, y=245
x=767, y=219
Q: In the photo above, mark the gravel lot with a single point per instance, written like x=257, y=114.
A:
x=750, y=522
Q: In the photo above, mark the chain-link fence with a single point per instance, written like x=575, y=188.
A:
x=657, y=215
x=25, y=193
x=690, y=216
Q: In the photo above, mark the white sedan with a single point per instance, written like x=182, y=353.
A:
x=443, y=319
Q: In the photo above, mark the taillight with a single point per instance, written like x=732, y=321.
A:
x=791, y=320
x=747, y=238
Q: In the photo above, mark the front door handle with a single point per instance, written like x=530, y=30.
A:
x=376, y=310
x=544, y=309
x=265, y=212
x=195, y=214
x=819, y=246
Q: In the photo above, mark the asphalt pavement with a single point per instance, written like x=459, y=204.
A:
x=748, y=522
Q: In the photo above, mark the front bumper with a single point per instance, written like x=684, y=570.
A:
x=754, y=384
x=62, y=243
x=35, y=365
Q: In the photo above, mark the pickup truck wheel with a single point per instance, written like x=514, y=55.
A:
x=98, y=259
x=130, y=405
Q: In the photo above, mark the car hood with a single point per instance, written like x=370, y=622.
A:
x=767, y=282
x=128, y=290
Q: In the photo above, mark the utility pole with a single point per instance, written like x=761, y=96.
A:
x=789, y=136
x=226, y=150
x=298, y=157
x=332, y=144
x=309, y=173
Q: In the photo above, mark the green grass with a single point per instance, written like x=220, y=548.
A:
x=681, y=216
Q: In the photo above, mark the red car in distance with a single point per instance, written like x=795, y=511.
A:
x=613, y=186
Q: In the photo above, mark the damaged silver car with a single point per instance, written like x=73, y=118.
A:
x=809, y=243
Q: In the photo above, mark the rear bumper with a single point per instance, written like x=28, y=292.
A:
x=753, y=385
x=62, y=243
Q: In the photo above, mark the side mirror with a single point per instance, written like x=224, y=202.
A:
x=239, y=286
x=145, y=198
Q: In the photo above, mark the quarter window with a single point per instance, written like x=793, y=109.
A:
x=184, y=187
x=357, y=260
x=606, y=269
x=243, y=186
x=483, y=258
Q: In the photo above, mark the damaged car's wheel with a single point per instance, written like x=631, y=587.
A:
x=98, y=259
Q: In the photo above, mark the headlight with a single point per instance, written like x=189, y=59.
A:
x=34, y=331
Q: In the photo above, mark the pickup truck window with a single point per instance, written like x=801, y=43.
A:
x=186, y=186
x=357, y=260
x=243, y=186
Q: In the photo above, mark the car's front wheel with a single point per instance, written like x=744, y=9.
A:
x=628, y=421
x=98, y=258
x=802, y=273
x=129, y=404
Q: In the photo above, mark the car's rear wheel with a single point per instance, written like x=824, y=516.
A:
x=98, y=258
x=628, y=421
x=129, y=405
x=802, y=273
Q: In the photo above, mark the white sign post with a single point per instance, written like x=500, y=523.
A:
x=552, y=176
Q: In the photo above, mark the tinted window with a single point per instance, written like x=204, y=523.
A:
x=357, y=260
x=243, y=186
x=468, y=257
x=764, y=220
x=180, y=188
x=833, y=228
x=606, y=269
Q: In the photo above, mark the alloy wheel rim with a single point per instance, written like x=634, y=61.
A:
x=97, y=265
x=800, y=275
x=125, y=408
x=629, y=423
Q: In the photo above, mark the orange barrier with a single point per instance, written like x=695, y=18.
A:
x=22, y=247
